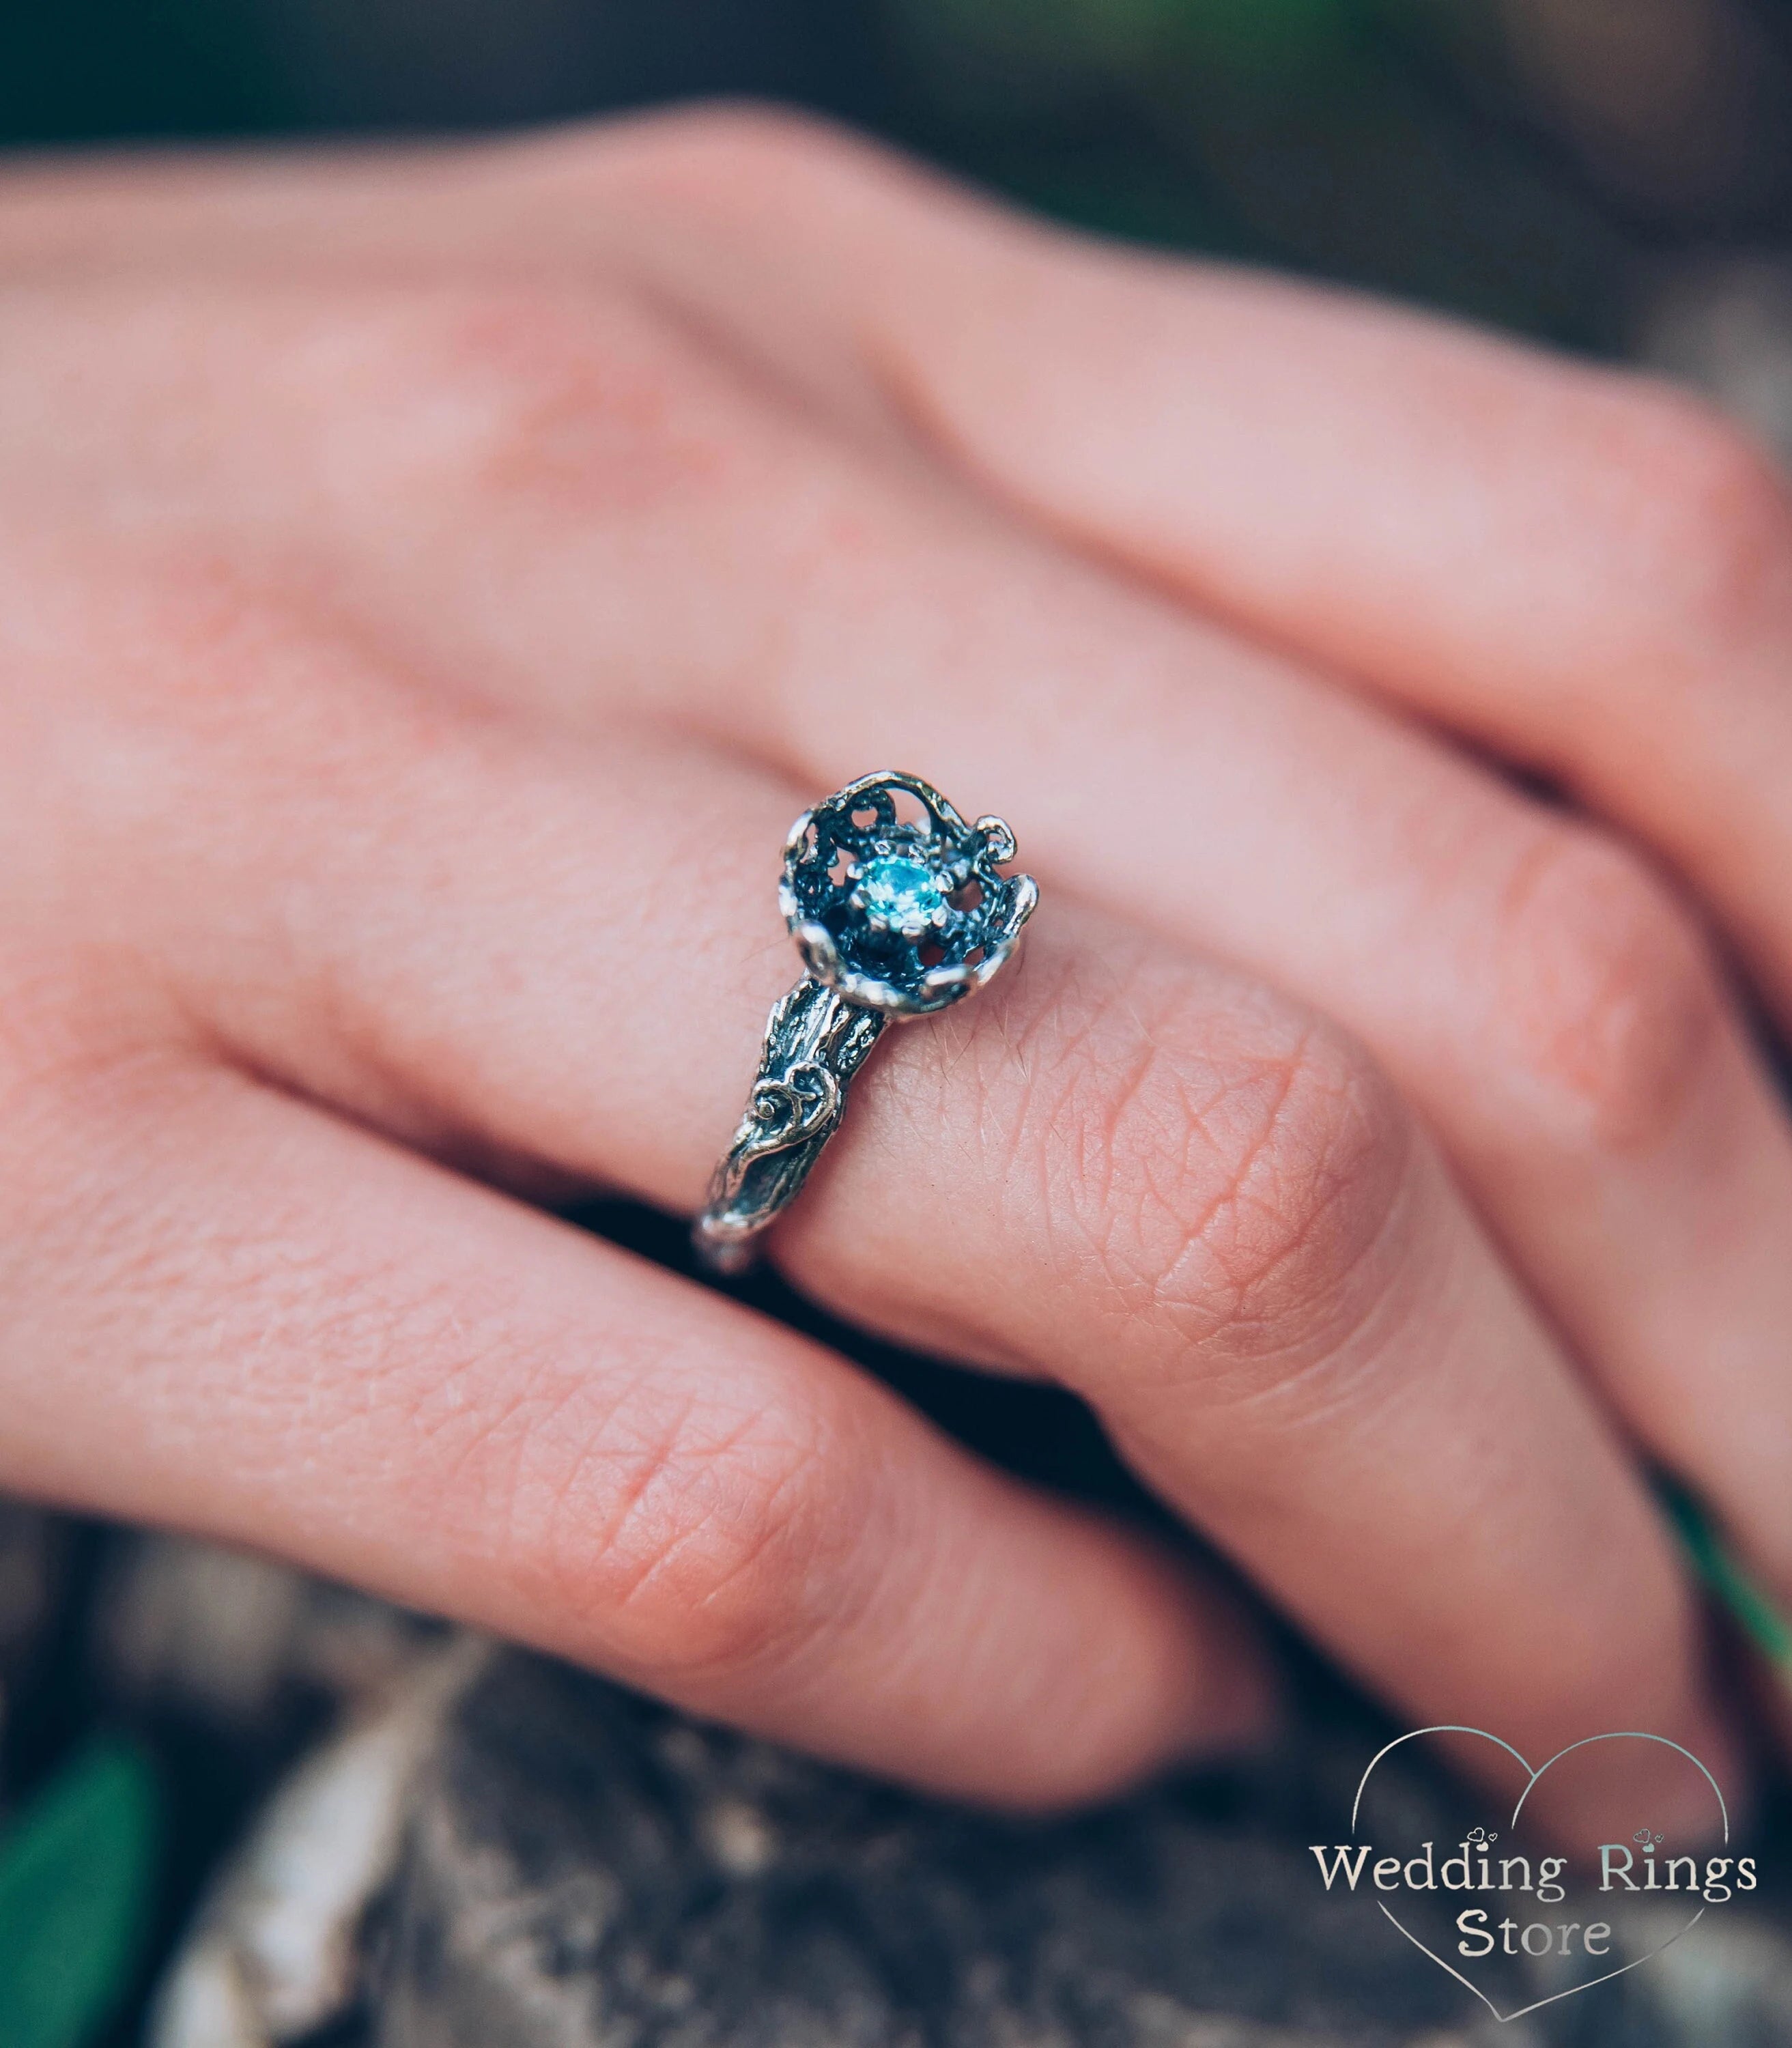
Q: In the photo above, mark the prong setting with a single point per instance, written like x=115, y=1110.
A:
x=896, y=917
x=875, y=901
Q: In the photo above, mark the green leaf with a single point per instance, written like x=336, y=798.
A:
x=77, y=1869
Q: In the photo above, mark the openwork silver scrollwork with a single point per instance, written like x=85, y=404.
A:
x=899, y=908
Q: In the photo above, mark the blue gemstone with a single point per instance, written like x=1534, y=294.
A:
x=900, y=895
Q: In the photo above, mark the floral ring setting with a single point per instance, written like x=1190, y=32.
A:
x=899, y=908
x=902, y=916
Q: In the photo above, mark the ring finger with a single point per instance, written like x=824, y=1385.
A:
x=1124, y=1168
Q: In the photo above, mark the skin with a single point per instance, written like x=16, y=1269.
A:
x=430, y=584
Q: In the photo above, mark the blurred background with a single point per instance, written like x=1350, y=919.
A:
x=1599, y=173
x=1612, y=176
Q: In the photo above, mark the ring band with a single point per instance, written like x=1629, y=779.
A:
x=896, y=916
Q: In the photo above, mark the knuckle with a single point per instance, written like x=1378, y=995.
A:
x=1607, y=993
x=733, y=169
x=1707, y=513
x=519, y=388
x=1236, y=1174
x=731, y=153
x=695, y=1538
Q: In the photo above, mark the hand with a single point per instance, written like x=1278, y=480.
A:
x=430, y=584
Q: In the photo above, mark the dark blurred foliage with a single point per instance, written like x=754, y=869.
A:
x=1527, y=161
x=1519, y=161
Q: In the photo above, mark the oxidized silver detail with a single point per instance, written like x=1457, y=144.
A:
x=895, y=918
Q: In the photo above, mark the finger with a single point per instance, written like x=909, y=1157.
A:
x=1540, y=990
x=1166, y=1188
x=277, y=1331
x=1583, y=568
x=552, y=468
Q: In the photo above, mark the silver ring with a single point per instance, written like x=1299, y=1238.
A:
x=899, y=908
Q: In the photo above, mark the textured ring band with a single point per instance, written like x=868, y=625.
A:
x=899, y=908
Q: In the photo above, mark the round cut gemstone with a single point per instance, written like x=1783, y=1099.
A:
x=900, y=895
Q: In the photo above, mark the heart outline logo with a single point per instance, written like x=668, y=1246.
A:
x=1523, y=1762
